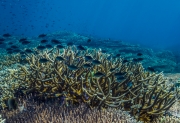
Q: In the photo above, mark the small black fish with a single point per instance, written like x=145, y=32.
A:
x=120, y=78
x=112, y=69
x=23, y=56
x=9, y=52
x=88, y=58
x=2, y=39
x=140, y=59
x=22, y=52
x=22, y=39
x=40, y=47
x=129, y=84
x=28, y=51
x=48, y=46
x=119, y=74
x=89, y=40
x=1, y=42
x=55, y=41
x=139, y=54
x=25, y=42
x=6, y=35
x=96, y=62
x=177, y=84
x=59, y=58
x=151, y=69
x=104, y=51
x=60, y=46
x=80, y=47
x=70, y=43
x=42, y=35
x=43, y=60
x=72, y=67
x=125, y=61
x=44, y=41
x=16, y=50
x=10, y=43
x=12, y=103
x=99, y=74
x=14, y=47
x=118, y=55
x=87, y=66
x=9, y=49
x=137, y=59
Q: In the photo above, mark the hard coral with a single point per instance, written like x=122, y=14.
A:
x=127, y=85
x=52, y=112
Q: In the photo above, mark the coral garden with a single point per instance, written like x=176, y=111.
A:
x=75, y=84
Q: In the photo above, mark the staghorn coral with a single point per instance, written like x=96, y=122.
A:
x=143, y=94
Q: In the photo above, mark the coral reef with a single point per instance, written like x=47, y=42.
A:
x=56, y=113
x=91, y=77
x=2, y=120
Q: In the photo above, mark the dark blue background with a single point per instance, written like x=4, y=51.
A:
x=153, y=23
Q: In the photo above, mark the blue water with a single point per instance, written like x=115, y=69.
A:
x=152, y=23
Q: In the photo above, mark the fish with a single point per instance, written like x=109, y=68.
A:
x=118, y=55
x=120, y=78
x=87, y=65
x=14, y=46
x=55, y=41
x=112, y=69
x=9, y=52
x=25, y=42
x=59, y=58
x=96, y=62
x=9, y=49
x=88, y=58
x=23, y=56
x=151, y=69
x=42, y=35
x=44, y=41
x=125, y=61
x=139, y=54
x=2, y=39
x=6, y=35
x=43, y=60
x=137, y=59
x=60, y=46
x=40, y=47
x=177, y=84
x=22, y=39
x=28, y=51
x=12, y=103
x=129, y=84
x=16, y=50
x=80, y=47
x=70, y=43
x=48, y=46
x=72, y=67
x=1, y=42
x=89, y=40
x=10, y=43
x=99, y=74
x=119, y=74
x=22, y=52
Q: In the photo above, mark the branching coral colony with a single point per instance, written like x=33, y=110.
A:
x=92, y=77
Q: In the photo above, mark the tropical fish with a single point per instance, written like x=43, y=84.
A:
x=43, y=60
x=99, y=74
x=42, y=35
